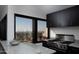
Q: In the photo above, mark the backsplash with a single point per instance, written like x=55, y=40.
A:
x=67, y=30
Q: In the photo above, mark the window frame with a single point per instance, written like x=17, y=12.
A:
x=34, y=27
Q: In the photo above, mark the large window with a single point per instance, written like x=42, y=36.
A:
x=24, y=29
x=29, y=29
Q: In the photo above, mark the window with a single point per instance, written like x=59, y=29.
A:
x=29, y=29
x=41, y=28
x=23, y=29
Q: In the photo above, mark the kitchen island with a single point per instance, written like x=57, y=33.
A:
x=26, y=48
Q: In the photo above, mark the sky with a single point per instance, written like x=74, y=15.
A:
x=41, y=25
x=23, y=24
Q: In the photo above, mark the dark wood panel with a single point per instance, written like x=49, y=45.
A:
x=3, y=28
x=64, y=18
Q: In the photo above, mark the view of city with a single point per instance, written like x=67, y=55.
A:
x=24, y=36
x=24, y=29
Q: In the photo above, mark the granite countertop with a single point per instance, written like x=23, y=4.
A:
x=26, y=48
x=30, y=48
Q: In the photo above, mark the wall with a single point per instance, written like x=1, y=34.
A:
x=24, y=10
x=3, y=11
x=67, y=30
x=10, y=24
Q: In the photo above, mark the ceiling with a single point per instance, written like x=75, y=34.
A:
x=53, y=8
x=42, y=9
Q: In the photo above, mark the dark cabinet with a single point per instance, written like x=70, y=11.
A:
x=3, y=28
x=64, y=18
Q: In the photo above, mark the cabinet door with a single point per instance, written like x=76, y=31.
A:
x=64, y=18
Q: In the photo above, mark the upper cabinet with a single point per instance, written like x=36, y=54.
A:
x=64, y=18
